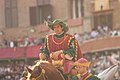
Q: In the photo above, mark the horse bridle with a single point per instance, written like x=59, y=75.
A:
x=118, y=71
x=42, y=74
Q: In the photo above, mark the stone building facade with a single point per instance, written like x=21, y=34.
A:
x=19, y=18
x=106, y=13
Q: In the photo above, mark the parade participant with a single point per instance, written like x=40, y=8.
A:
x=82, y=66
x=60, y=46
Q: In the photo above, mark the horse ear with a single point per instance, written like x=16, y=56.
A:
x=28, y=69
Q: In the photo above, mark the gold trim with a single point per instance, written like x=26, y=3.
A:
x=47, y=43
x=59, y=42
x=87, y=64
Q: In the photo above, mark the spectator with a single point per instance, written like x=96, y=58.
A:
x=112, y=60
x=11, y=43
x=76, y=36
x=94, y=33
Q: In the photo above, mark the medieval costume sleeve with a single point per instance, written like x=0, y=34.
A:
x=92, y=77
x=75, y=78
x=73, y=49
x=44, y=50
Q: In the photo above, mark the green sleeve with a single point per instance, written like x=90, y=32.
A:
x=45, y=49
x=74, y=78
x=71, y=47
x=93, y=78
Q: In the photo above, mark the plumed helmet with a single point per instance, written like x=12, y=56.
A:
x=58, y=21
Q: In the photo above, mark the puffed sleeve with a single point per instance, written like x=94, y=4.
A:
x=73, y=48
x=44, y=50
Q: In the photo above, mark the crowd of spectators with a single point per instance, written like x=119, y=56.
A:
x=101, y=61
x=22, y=42
x=11, y=70
x=99, y=32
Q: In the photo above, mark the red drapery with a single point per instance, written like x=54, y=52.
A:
x=32, y=52
x=20, y=52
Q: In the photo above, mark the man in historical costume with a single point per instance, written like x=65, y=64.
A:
x=82, y=66
x=60, y=47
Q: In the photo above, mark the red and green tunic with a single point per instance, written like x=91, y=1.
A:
x=67, y=43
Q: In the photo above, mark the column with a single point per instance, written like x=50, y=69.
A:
x=73, y=10
x=79, y=8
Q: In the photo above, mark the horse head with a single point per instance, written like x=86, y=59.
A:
x=44, y=71
x=37, y=73
x=109, y=73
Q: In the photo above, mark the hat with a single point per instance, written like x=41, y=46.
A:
x=65, y=27
x=83, y=62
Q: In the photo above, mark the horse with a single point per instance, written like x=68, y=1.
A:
x=111, y=73
x=44, y=70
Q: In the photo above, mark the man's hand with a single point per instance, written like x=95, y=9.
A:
x=55, y=55
x=59, y=52
x=42, y=56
